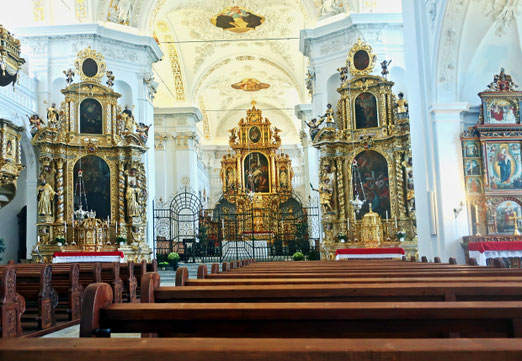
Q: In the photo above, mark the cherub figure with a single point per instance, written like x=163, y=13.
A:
x=36, y=123
x=233, y=136
x=343, y=72
x=110, y=79
x=143, y=131
x=276, y=138
x=384, y=66
x=69, y=75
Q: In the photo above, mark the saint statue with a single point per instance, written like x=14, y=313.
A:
x=124, y=11
x=128, y=120
x=325, y=194
x=46, y=194
x=314, y=127
x=132, y=195
x=52, y=116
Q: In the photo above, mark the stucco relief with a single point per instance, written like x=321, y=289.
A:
x=503, y=13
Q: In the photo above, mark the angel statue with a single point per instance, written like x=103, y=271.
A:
x=143, y=131
x=110, y=79
x=384, y=66
x=314, y=127
x=53, y=116
x=36, y=123
x=69, y=75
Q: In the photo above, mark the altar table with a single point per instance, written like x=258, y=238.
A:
x=67, y=257
x=369, y=253
x=481, y=251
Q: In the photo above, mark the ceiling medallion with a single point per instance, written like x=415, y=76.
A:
x=237, y=20
x=250, y=85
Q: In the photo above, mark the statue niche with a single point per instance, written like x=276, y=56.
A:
x=91, y=120
x=96, y=177
x=374, y=183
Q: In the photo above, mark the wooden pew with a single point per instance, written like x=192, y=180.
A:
x=129, y=281
x=34, y=284
x=295, y=320
x=261, y=349
x=223, y=349
x=403, y=291
x=12, y=304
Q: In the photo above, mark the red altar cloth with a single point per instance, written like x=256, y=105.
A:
x=495, y=246
x=392, y=250
x=87, y=254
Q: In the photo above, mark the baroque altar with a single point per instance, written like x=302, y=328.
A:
x=92, y=191
x=257, y=182
x=366, y=178
x=492, y=162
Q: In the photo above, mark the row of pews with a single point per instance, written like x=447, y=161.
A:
x=36, y=299
x=349, y=310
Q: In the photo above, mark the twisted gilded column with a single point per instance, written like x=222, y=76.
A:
x=340, y=188
x=59, y=190
x=399, y=176
x=121, y=195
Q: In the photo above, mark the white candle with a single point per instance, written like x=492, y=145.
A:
x=73, y=223
x=65, y=228
x=348, y=222
x=386, y=215
x=38, y=238
x=395, y=221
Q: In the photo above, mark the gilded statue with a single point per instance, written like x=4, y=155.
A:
x=401, y=104
x=46, y=194
x=325, y=194
x=129, y=124
x=314, y=127
x=328, y=116
x=132, y=195
x=53, y=116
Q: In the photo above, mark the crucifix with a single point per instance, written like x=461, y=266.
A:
x=515, y=218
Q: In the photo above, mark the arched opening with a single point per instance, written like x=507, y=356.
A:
x=371, y=183
x=91, y=117
x=96, y=185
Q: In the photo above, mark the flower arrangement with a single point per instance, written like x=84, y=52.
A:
x=59, y=241
x=163, y=265
x=400, y=235
x=342, y=237
x=298, y=256
x=121, y=240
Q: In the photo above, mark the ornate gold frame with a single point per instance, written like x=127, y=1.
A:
x=97, y=57
x=360, y=46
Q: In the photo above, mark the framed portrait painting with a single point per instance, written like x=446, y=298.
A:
x=504, y=166
x=504, y=216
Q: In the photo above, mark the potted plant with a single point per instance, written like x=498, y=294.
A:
x=59, y=241
x=400, y=236
x=298, y=256
x=342, y=237
x=173, y=259
x=122, y=241
x=163, y=265
x=2, y=247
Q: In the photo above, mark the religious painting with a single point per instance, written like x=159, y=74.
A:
x=472, y=167
x=257, y=173
x=504, y=166
x=254, y=134
x=283, y=178
x=91, y=120
x=374, y=185
x=95, y=190
x=250, y=85
x=474, y=185
x=361, y=60
x=366, y=115
x=230, y=178
x=504, y=217
x=501, y=111
x=471, y=150
x=237, y=20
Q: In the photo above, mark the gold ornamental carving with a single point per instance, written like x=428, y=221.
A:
x=10, y=60
x=366, y=178
x=10, y=160
x=92, y=192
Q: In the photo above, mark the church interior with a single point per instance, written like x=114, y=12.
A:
x=189, y=153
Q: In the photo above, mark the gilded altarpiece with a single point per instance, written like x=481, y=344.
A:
x=92, y=191
x=492, y=161
x=257, y=179
x=366, y=178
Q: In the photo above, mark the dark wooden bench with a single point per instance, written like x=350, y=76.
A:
x=34, y=284
x=261, y=349
x=295, y=320
x=12, y=304
x=363, y=292
x=129, y=281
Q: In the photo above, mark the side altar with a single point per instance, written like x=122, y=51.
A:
x=92, y=191
x=492, y=164
x=366, y=178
